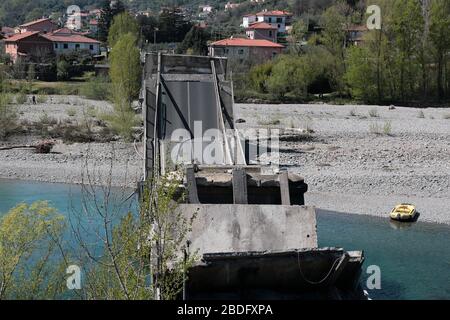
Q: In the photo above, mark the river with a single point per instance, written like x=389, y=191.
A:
x=414, y=259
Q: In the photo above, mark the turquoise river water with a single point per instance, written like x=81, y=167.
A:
x=414, y=259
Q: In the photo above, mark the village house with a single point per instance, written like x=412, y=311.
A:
x=231, y=6
x=245, y=50
x=8, y=32
x=29, y=44
x=206, y=8
x=44, y=25
x=276, y=18
x=262, y=30
x=65, y=40
x=355, y=34
x=248, y=19
x=35, y=44
x=93, y=26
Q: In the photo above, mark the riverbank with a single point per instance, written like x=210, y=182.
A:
x=70, y=162
x=365, y=159
x=355, y=159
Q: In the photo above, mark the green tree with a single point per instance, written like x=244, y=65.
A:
x=62, y=70
x=125, y=74
x=123, y=23
x=195, y=42
x=360, y=74
x=439, y=35
x=108, y=12
x=259, y=75
x=30, y=253
x=125, y=71
x=173, y=26
x=8, y=115
x=280, y=81
x=407, y=22
x=334, y=38
x=298, y=34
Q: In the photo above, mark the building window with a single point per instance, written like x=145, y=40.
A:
x=56, y=46
x=77, y=46
x=270, y=19
x=66, y=46
x=270, y=33
x=241, y=51
x=279, y=20
x=91, y=47
x=227, y=51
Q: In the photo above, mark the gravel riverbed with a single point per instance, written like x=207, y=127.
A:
x=356, y=159
x=365, y=159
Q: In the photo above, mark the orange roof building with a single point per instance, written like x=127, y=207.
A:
x=27, y=44
x=244, y=50
x=65, y=40
x=44, y=25
x=262, y=30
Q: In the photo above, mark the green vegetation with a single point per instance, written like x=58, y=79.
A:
x=96, y=88
x=195, y=42
x=406, y=61
x=125, y=74
x=123, y=23
x=373, y=113
x=34, y=254
x=8, y=116
x=31, y=263
x=381, y=129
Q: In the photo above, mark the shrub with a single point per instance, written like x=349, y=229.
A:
x=373, y=113
x=387, y=128
x=21, y=98
x=8, y=116
x=41, y=99
x=96, y=88
x=420, y=114
x=377, y=128
x=71, y=112
x=123, y=120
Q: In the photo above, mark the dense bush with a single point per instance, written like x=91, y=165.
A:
x=8, y=116
x=96, y=88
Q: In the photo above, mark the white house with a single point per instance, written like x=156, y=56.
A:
x=65, y=40
x=248, y=19
x=276, y=18
x=206, y=8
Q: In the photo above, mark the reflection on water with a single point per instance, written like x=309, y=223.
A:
x=414, y=257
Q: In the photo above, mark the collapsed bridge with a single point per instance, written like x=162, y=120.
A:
x=255, y=237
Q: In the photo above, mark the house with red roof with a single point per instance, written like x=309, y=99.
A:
x=30, y=44
x=93, y=26
x=8, y=32
x=355, y=34
x=44, y=25
x=245, y=50
x=262, y=30
x=65, y=40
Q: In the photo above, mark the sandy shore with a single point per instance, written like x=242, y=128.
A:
x=353, y=164
x=359, y=159
x=70, y=163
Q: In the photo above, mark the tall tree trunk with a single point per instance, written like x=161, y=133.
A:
x=425, y=4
